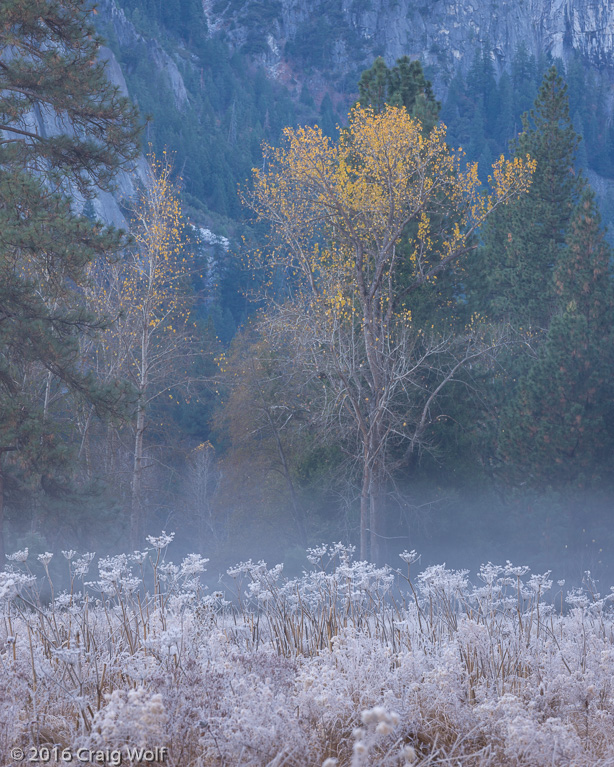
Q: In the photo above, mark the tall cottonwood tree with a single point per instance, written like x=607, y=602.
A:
x=49, y=71
x=339, y=211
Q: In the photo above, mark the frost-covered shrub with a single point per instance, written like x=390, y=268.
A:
x=129, y=718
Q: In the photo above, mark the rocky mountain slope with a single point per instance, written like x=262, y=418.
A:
x=189, y=65
x=340, y=34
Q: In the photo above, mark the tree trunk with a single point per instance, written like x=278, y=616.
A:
x=202, y=505
x=85, y=448
x=136, y=510
x=3, y=450
x=203, y=487
x=364, y=511
x=377, y=502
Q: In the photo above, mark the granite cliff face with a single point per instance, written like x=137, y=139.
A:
x=444, y=33
x=128, y=38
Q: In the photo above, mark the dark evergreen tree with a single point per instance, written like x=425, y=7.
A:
x=582, y=155
x=544, y=268
x=457, y=113
x=402, y=86
x=49, y=70
x=525, y=81
x=558, y=430
x=512, y=279
x=183, y=17
x=374, y=85
x=483, y=92
x=49, y=66
x=504, y=121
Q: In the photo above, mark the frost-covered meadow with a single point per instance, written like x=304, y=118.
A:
x=347, y=665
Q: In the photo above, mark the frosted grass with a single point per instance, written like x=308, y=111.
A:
x=347, y=665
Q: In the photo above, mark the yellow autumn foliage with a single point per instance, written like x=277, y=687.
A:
x=359, y=195
x=147, y=293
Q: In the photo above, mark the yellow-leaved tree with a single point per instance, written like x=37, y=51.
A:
x=148, y=298
x=339, y=212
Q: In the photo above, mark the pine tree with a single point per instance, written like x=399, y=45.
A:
x=558, y=429
x=505, y=117
x=402, y=86
x=525, y=276
x=522, y=243
x=49, y=66
x=457, y=112
x=49, y=70
x=525, y=80
x=374, y=84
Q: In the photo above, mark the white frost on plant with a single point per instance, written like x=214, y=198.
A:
x=18, y=556
x=161, y=541
x=409, y=557
x=130, y=718
x=345, y=665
